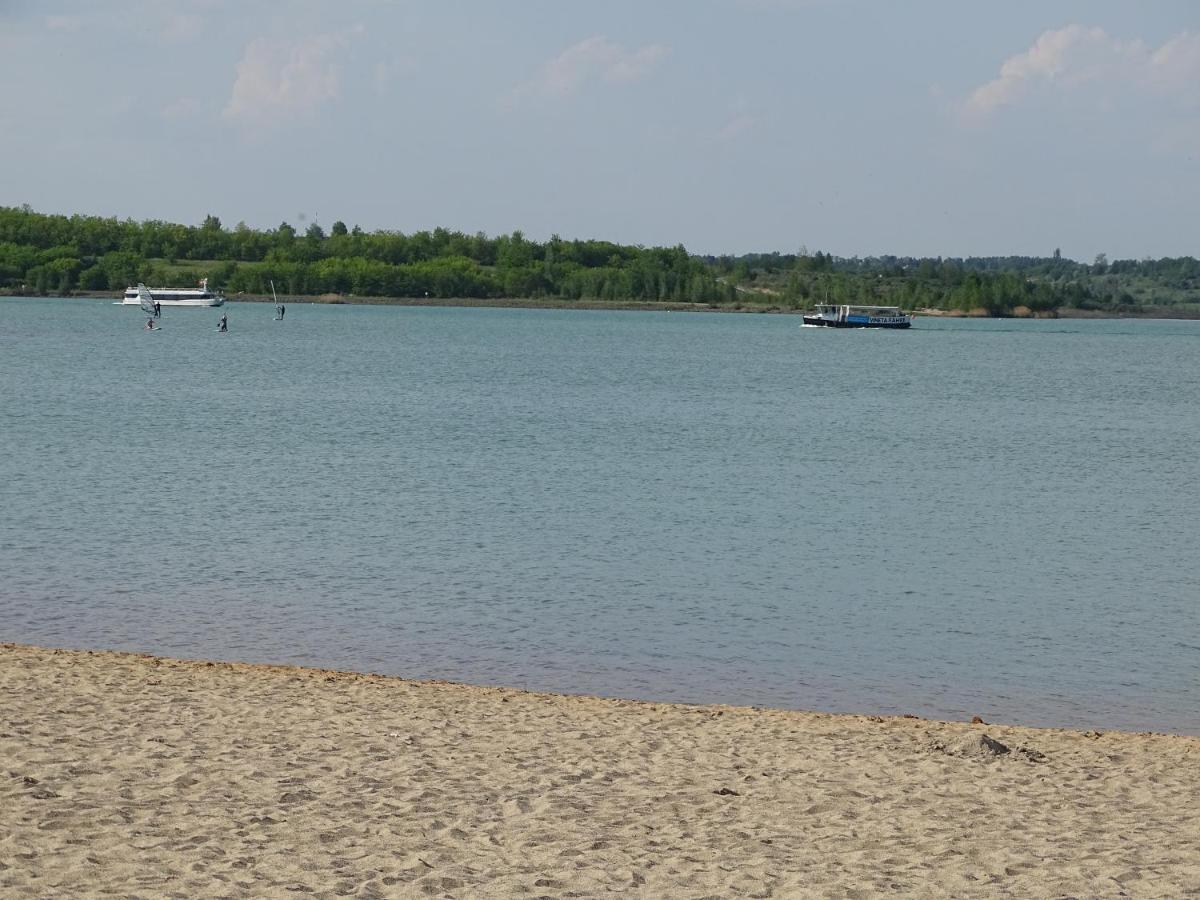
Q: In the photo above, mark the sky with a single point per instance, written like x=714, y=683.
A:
x=857, y=127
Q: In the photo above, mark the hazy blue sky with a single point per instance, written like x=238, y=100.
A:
x=933, y=127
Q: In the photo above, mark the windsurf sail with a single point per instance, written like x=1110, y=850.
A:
x=145, y=300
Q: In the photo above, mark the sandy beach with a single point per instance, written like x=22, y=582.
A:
x=134, y=776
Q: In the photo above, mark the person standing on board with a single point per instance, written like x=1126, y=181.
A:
x=157, y=310
x=279, y=311
x=223, y=325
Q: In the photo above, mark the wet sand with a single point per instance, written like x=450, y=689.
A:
x=134, y=776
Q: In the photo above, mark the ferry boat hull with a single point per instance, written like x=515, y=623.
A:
x=165, y=300
x=833, y=323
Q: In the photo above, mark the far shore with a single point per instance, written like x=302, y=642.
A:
x=135, y=775
x=747, y=306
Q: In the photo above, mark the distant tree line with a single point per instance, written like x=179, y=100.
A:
x=44, y=254
x=995, y=285
x=52, y=253
x=1182, y=271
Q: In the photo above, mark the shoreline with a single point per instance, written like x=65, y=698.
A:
x=1162, y=313
x=323, y=672
x=140, y=775
x=480, y=302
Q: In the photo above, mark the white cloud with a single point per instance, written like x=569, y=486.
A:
x=1067, y=59
x=1176, y=64
x=591, y=59
x=1073, y=52
x=279, y=80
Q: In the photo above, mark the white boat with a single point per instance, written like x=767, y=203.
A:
x=850, y=316
x=200, y=296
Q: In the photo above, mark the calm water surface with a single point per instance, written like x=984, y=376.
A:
x=992, y=517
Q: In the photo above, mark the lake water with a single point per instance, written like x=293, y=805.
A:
x=970, y=517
